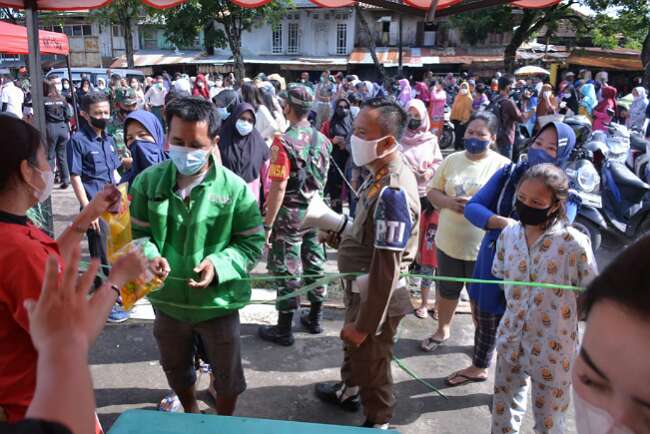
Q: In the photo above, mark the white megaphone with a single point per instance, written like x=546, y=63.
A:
x=322, y=217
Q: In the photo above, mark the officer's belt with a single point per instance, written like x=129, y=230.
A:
x=354, y=287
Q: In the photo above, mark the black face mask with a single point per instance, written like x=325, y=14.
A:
x=342, y=112
x=98, y=122
x=414, y=124
x=530, y=216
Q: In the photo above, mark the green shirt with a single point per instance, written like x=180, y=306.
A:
x=219, y=221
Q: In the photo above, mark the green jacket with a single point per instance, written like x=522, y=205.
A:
x=221, y=222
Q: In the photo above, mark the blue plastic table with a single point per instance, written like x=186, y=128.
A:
x=150, y=422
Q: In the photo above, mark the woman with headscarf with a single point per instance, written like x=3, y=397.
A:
x=637, y=118
x=339, y=130
x=404, y=92
x=243, y=150
x=422, y=154
x=201, y=87
x=600, y=115
x=144, y=136
x=422, y=93
x=492, y=209
x=588, y=99
x=438, y=100
x=461, y=111
x=547, y=106
x=265, y=123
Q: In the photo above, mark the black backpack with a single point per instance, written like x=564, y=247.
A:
x=495, y=109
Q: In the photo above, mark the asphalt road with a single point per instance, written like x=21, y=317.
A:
x=126, y=372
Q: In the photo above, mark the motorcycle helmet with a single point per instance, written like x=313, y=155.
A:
x=581, y=126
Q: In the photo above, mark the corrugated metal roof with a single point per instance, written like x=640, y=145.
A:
x=418, y=57
x=168, y=57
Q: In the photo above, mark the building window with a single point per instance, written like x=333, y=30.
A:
x=117, y=31
x=341, y=39
x=72, y=29
x=276, y=47
x=292, y=38
x=149, y=39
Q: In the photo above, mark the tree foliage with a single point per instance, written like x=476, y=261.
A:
x=476, y=26
x=222, y=23
x=123, y=13
x=632, y=21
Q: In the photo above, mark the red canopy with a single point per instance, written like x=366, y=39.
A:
x=13, y=39
x=69, y=5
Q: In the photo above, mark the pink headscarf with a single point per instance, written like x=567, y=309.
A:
x=420, y=148
x=405, y=92
x=422, y=92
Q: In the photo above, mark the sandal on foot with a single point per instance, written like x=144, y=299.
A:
x=431, y=344
x=464, y=379
x=421, y=312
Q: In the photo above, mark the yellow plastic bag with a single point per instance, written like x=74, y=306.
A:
x=119, y=223
x=136, y=289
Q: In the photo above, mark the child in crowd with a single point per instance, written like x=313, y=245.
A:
x=537, y=336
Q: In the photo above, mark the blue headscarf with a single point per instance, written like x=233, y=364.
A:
x=566, y=141
x=150, y=122
x=144, y=153
x=589, y=99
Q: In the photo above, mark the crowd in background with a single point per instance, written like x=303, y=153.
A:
x=484, y=212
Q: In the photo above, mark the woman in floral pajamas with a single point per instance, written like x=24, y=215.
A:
x=538, y=334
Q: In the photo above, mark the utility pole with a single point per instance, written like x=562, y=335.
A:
x=399, y=46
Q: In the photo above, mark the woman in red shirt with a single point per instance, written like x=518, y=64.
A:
x=26, y=179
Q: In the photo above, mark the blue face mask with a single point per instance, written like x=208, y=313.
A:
x=539, y=156
x=188, y=161
x=223, y=113
x=476, y=146
x=244, y=128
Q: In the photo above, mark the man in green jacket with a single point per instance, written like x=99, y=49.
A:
x=206, y=234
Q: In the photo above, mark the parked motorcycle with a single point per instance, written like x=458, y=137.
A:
x=585, y=183
x=625, y=199
x=639, y=155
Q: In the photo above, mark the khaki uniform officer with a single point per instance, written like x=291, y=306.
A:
x=382, y=243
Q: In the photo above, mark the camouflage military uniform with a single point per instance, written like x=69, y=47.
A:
x=127, y=97
x=302, y=158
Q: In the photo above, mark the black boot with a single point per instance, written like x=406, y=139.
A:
x=311, y=320
x=339, y=394
x=280, y=334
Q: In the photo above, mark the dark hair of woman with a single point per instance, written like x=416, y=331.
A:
x=21, y=142
x=267, y=100
x=50, y=90
x=556, y=181
x=625, y=281
x=489, y=118
x=250, y=94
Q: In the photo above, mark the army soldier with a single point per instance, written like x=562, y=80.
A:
x=383, y=243
x=125, y=103
x=298, y=171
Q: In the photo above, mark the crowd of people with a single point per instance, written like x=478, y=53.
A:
x=219, y=171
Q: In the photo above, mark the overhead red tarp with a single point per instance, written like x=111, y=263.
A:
x=70, y=5
x=13, y=40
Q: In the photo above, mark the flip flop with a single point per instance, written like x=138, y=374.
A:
x=466, y=379
x=430, y=344
x=421, y=312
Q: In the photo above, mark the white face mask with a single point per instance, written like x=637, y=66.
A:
x=48, y=179
x=364, y=152
x=244, y=128
x=355, y=111
x=547, y=94
x=464, y=91
x=593, y=420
